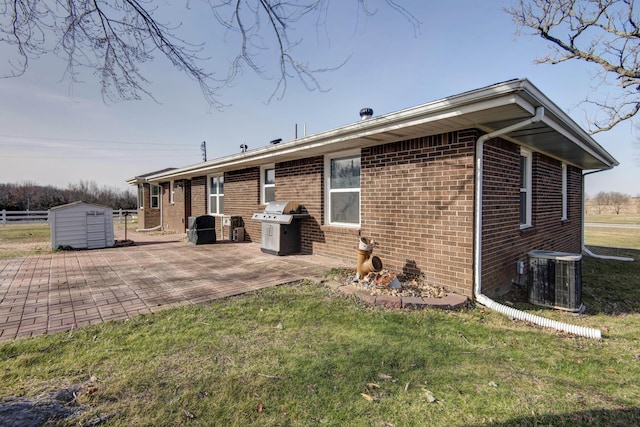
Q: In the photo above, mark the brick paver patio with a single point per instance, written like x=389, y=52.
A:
x=67, y=290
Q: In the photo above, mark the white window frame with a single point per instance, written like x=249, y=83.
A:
x=328, y=190
x=527, y=189
x=157, y=197
x=263, y=184
x=215, y=197
x=565, y=195
x=172, y=190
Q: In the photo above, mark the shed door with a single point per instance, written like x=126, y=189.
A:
x=96, y=233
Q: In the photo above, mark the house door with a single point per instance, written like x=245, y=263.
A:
x=96, y=233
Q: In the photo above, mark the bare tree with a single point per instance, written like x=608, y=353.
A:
x=116, y=37
x=602, y=199
x=605, y=33
x=618, y=200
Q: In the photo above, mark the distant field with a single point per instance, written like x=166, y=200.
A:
x=629, y=213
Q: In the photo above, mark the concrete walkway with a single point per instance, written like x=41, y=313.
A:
x=67, y=290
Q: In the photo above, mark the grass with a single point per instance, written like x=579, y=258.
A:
x=612, y=218
x=29, y=239
x=304, y=355
x=19, y=240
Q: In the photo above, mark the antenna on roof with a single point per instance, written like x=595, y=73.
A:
x=203, y=150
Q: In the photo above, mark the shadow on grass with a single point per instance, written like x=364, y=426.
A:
x=596, y=417
x=609, y=287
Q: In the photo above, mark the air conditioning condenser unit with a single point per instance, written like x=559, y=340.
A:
x=555, y=280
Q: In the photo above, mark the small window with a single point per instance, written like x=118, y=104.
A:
x=525, y=188
x=216, y=195
x=172, y=190
x=343, y=189
x=268, y=181
x=140, y=196
x=565, y=196
x=155, y=196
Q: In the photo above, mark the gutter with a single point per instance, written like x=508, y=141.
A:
x=477, y=244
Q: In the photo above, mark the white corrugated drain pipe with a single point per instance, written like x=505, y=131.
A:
x=477, y=246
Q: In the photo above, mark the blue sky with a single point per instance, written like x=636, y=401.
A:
x=54, y=133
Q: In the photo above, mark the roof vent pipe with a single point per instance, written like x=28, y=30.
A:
x=243, y=148
x=477, y=245
x=366, y=113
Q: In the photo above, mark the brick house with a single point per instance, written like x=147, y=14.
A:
x=456, y=189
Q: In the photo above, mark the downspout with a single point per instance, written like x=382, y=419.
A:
x=477, y=245
x=584, y=248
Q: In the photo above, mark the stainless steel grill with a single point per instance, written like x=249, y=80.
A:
x=280, y=227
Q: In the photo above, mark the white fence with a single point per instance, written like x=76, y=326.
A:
x=14, y=217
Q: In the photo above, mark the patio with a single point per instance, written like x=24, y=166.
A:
x=65, y=290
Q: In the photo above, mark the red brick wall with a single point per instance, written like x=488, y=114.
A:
x=242, y=198
x=417, y=202
x=198, y=196
x=173, y=214
x=503, y=241
x=423, y=224
x=301, y=181
x=148, y=217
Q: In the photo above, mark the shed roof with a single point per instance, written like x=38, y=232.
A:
x=77, y=203
x=488, y=109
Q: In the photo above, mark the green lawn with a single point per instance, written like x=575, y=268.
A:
x=305, y=355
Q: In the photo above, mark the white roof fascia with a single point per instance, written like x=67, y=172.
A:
x=520, y=92
x=458, y=105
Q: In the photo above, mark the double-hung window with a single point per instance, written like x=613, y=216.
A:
x=155, y=196
x=172, y=191
x=342, y=196
x=525, y=188
x=268, y=184
x=216, y=195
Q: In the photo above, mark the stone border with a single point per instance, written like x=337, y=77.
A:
x=448, y=302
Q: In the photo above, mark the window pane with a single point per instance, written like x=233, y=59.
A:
x=523, y=207
x=220, y=205
x=269, y=176
x=345, y=173
x=345, y=207
x=523, y=172
x=221, y=185
x=269, y=194
x=213, y=185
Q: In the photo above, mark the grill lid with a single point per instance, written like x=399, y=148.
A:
x=276, y=207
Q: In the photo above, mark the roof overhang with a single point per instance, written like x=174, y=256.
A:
x=488, y=109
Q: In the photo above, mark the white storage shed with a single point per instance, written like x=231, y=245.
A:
x=81, y=225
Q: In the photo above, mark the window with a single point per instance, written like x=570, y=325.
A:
x=268, y=184
x=343, y=189
x=525, y=188
x=565, y=198
x=140, y=196
x=216, y=195
x=172, y=190
x=155, y=196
